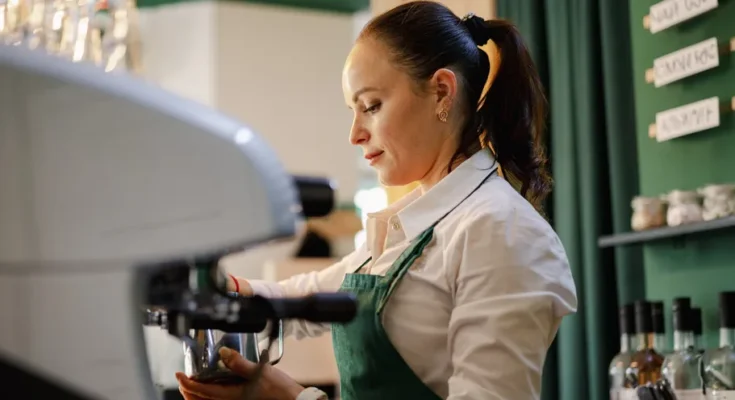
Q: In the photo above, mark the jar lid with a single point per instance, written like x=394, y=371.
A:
x=681, y=196
x=642, y=201
x=717, y=189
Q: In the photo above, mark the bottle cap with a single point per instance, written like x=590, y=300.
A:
x=657, y=315
x=681, y=314
x=695, y=317
x=643, y=320
x=727, y=310
x=627, y=319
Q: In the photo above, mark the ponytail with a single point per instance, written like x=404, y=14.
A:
x=512, y=113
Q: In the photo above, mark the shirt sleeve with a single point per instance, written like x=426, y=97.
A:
x=513, y=285
x=326, y=280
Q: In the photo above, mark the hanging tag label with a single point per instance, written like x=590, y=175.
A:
x=686, y=62
x=688, y=119
x=668, y=13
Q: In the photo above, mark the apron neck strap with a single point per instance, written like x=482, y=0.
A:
x=491, y=173
x=414, y=251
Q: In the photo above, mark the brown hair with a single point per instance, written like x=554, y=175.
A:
x=425, y=36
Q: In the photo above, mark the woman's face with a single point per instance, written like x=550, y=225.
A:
x=396, y=121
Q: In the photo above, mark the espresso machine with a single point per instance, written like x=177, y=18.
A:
x=117, y=200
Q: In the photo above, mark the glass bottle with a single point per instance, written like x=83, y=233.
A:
x=622, y=360
x=697, y=328
x=699, y=345
x=646, y=362
x=681, y=367
x=659, y=328
x=719, y=370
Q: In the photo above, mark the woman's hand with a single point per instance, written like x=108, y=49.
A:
x=239, y=285
x=272, y=384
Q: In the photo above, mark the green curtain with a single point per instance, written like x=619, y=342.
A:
x=582, y=49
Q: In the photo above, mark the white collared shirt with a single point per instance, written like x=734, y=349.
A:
x=477, y=312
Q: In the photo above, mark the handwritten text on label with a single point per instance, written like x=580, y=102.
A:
x=691, y=118
x=688, y=61
x=668, y=13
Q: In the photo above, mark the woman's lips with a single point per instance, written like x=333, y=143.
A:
x=373, y=157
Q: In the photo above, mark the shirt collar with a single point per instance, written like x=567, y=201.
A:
x=416, y=212
x=424, y=210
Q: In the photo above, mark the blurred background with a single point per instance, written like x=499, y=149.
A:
x=641, y=132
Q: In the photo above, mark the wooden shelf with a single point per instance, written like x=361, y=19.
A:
x=652, y=235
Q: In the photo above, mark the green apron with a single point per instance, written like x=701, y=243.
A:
x=370, y=368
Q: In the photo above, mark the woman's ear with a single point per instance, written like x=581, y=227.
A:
x=444, y=85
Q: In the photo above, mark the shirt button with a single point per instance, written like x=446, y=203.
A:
x=396, y=225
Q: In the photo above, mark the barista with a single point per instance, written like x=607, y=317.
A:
x=462, y=284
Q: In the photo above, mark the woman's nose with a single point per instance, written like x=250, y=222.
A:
x=358, y=134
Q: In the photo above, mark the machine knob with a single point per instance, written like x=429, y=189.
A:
x=316, y=195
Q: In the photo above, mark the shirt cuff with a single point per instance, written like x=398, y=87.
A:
x=312, y=393
x=266, y=289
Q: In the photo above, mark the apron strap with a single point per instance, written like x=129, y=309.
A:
x=357, y=271
x=492, y=172
x=404, y=262
x=414, y=251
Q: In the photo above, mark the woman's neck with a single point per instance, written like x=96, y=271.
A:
x=439, y=170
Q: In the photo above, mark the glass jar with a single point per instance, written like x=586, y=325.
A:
x=718, y=201
x=683, y=207
x=648, y=213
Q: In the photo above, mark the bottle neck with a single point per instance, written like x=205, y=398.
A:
x=625, y=343
x=683, y=340
x=646, y=341
x=698, y=342
x=727, y=337
x=659, y=342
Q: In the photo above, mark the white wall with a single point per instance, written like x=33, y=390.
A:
x=276, y=69
x=177, y=48
x=482, y=8
x=280, y=70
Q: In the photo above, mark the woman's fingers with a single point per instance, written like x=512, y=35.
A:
x=206, y=391
x=190, y=396
x=231, y=359
x=189, y=386
x=237, y=363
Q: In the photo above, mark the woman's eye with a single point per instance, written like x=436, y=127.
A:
x=372, y=109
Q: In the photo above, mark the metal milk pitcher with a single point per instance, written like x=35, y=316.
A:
x=201, y=353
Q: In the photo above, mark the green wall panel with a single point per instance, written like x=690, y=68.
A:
x=701, y=266
x=340, y=6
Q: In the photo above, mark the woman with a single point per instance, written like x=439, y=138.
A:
x=462, y=284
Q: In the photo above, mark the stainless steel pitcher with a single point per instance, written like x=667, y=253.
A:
x=201, y=353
